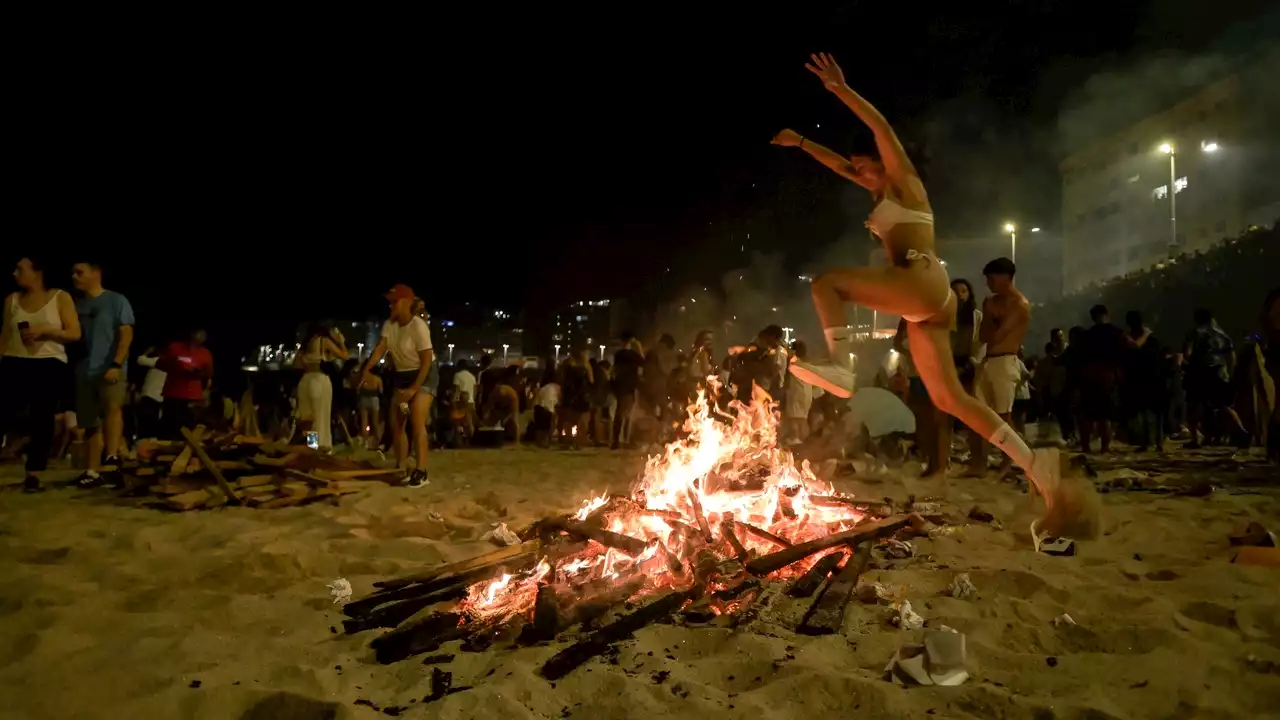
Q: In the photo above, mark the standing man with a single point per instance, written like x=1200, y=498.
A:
x=188, y=368
x=626, y=382
x=1210, y=356
x=1005, y=316
x=406, y=337
x=106, y=318
x=1102, y=364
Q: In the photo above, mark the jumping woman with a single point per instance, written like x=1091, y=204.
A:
x=915, y=286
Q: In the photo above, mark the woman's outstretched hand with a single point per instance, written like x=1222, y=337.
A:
x=786, y=138
x=825, y=67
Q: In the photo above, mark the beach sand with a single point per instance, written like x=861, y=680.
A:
x=110, y=610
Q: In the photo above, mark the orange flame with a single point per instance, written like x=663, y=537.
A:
x=724, y=469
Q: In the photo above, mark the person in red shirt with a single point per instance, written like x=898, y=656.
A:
x=189, y=368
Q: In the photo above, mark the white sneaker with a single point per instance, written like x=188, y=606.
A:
x=835, y=379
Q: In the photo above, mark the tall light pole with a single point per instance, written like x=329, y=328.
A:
x=1013, y=240
x=786, y=335
x=602, y=352
x=504, y=353
x=557, y=355
x=1169, y=150
x=450, y=352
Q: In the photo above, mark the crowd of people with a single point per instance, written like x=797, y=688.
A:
x=66, y=372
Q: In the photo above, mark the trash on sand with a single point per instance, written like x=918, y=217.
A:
x=899, y=549
x=907, y=618
x=1050, y=545
x=977, y=513
x=1063, y=619
x=500, y=535
x=873, y=593
x=1263, y=556
x=944, y=531
x=1253, y=534
x=962, y=587
x=340, y=590
x=939, y=661
x=434, y=516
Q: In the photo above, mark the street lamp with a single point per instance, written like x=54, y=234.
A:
x=1013, y=240
x=602, y=352
x=557, y=354
x=450, y=346
x=504, y=353
x=1167, y=148
x=787, y=334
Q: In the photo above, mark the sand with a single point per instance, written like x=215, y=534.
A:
x=108, y=610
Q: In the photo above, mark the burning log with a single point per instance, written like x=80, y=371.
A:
x=882, y=506
x=826, y=615
x=546, y=618
x=726, y=529
x=617, y=541
x=809, y=582
x=764, y=534
x=867, y=531
x=702, y=517
x=567, y=660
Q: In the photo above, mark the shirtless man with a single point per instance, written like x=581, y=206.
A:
x=1005, y=316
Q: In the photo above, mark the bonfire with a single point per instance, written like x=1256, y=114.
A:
x=720, y=509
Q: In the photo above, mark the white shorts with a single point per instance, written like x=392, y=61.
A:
x=996, y=382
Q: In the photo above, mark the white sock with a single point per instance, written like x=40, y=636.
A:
x=1012, y=444
x=837, y=341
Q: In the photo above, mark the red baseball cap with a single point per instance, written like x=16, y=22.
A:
x=400, y=292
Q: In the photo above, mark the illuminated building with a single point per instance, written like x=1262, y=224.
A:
x=1121, y=209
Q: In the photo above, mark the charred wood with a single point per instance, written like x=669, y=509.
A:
x=567, y=660
x=826, y=615
x=423, y=636
x=763, y=534
x=811, y=580
x=627, y=544
x=867, y=531
x=497, y=556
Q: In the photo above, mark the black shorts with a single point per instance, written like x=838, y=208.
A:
x=1207, y=390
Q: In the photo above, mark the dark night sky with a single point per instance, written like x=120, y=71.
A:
x=251, y=178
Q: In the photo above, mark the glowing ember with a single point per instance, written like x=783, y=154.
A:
x=722, y=473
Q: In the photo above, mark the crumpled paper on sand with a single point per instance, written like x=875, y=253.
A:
x=962, y=587
x=899, y=549
x=340, y=590
x=501, y=535
x=939, y=661
x=907, y=618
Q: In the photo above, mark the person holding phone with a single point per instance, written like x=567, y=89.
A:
x=38, y=323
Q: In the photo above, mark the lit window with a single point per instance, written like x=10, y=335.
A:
x=581, y=318
x=1160, y=193
x=1180, y=184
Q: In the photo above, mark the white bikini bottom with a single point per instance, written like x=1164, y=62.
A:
x=928, y=259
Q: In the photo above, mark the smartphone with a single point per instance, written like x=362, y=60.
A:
x=313, y=440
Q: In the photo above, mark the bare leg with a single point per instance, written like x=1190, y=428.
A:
x=400, y=440
x=420, y=410
x=1069, y=505
x=94, y=460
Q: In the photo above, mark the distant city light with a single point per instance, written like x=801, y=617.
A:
x=1035, y=229
x=1180, y=184
x=806, y=278
x=1209, y=146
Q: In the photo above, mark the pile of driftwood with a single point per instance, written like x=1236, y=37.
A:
x=205, y=471
x=719, y=583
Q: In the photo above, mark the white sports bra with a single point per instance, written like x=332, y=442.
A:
x=888, y=213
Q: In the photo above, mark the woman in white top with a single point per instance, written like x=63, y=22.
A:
x=38, y=323
x=315, y=390
x=916, y=287
x=407, y=339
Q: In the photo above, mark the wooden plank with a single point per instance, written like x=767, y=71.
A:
x=190, y=500
x=627, y=544
x=356, y=474
x=193, y=442
x=279, y=462
x=249, y=481
x=425, y=635
x=811, y=580
x=309, y=478
x=726, y=530
x=763, y=534
x=826, y=614
x=497, y=556
x=867, y=531
x=179, y=464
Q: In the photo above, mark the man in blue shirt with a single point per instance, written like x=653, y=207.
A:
x=107, y=322
x=1210, y=356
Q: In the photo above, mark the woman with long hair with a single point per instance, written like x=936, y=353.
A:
x=576, y=380
x=315, y=390
x=916, y=287
x=38, y=324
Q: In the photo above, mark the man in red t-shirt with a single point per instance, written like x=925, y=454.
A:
x=189, y=368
